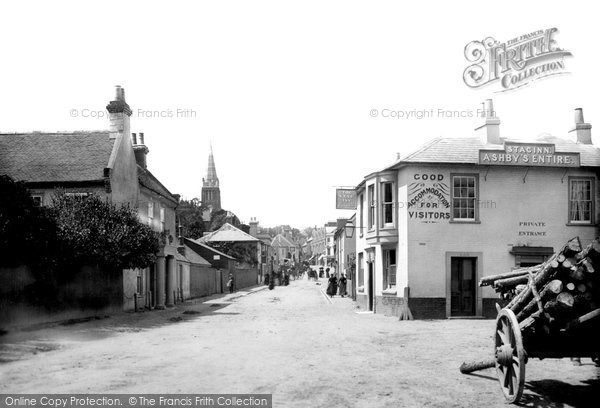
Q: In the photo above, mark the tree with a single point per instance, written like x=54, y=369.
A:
x=27, y=233
x=220, y=217
x=189, y=214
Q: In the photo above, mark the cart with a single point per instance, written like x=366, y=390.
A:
x=513, y=347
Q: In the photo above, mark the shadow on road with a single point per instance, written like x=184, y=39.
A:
x=45, y=337
x=555, y=393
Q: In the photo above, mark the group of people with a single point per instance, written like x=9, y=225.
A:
x=337, y=286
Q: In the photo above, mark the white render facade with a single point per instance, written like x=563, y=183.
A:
x=441, y=219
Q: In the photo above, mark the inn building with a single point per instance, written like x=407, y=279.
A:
x=459, y=209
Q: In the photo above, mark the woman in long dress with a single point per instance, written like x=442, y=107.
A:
x=332, y=287
x=342, y=285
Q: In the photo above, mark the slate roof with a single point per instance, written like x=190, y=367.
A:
x=148, y=180
x=203, y=245
x=194, y=257
x=55, y=157
x=281, y=241
x=466, y=150
x=227, y=233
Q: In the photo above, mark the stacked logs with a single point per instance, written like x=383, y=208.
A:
x=552, y=295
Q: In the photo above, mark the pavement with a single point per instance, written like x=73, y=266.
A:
x=292, y=342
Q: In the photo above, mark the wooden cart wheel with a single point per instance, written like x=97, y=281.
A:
x=510, y=355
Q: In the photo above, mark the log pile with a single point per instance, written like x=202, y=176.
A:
x=554, y=294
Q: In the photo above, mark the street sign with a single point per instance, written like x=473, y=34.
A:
x=345, y=199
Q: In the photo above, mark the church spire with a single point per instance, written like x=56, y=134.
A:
x=211, y=172
x=211, y=194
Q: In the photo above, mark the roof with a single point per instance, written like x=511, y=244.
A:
x=228, y=233
x=55, y=157
x=203, y=245
x=148, y=180
x=281, y=241
x=466, y=150
x=193, y=257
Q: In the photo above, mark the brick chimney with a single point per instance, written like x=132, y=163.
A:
x=583, y=131
x=119, y=114
x=489, y=132
x=140, y=150
x=253, y=227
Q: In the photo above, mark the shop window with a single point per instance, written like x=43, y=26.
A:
x=464, y=198
x=581, y=195
x=387, y=204
x=371, y=198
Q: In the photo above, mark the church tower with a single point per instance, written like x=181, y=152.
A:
x=211, y=194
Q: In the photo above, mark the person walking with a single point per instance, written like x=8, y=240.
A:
x=342, y=285
x=230, y=283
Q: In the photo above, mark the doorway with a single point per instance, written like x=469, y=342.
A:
x=370, y=285
x=463, y=295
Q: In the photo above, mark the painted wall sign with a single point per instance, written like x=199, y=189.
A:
x=345, y=199
x=532, y=229
x=428, y=198
x=528, y=154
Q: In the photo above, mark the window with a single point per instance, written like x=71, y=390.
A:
x=162, y=219
x=387, y=203
x=581, y=194
x=140, y=282
x=361, y=270
x=150, y=213
x=361, y=215
x=464, y=198
x=389, y=271
x=371, y=198
x=38, y=200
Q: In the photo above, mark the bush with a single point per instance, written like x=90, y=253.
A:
x=93, y=231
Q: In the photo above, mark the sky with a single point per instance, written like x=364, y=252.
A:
x=283, y=90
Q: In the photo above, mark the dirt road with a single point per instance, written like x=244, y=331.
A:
x=290, y=342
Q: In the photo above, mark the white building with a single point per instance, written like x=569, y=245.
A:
x=441, y=218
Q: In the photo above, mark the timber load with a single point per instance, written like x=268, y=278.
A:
x=552, y=311
x=552, y=295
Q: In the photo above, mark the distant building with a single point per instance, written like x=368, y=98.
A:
x=211, y=193
x=284, y=248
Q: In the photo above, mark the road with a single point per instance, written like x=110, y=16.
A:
x=290, y=342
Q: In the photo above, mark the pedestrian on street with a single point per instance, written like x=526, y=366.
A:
x=342, y=285
x=327, y=273
x=332, y=286
x=230, y=283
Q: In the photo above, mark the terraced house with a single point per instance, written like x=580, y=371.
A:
x=458, y=209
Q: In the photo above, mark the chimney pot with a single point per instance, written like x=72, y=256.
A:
x=583, y=131
x=134, y=138
x=490, y=130
x=142, y=138
x=489, y=109
x=578, y=115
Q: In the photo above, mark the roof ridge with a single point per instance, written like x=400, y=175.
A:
x=421, y=149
